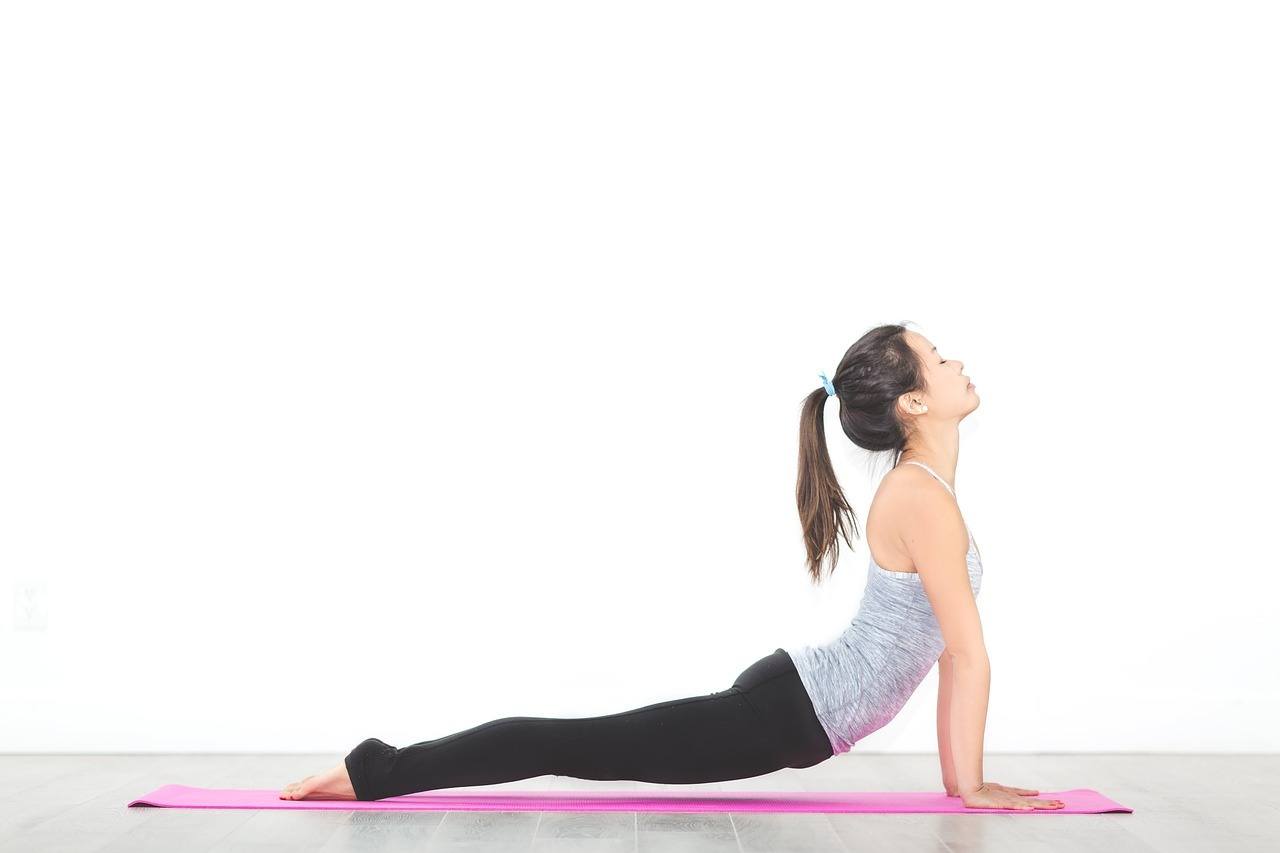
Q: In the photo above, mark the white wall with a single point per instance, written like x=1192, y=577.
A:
x=383, y=371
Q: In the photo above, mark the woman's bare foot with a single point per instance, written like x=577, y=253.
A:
x=332, y=784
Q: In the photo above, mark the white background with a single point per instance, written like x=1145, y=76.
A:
x=384, y=369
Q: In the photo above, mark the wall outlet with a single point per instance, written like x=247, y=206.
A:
x=30, y=606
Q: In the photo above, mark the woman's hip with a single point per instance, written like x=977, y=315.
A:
x=773, y=689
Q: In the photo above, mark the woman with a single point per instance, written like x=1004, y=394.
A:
x=790, y=708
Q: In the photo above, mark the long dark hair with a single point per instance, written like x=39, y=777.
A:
x=880, y=367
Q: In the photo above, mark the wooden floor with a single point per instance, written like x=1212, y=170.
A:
x=1181, y=803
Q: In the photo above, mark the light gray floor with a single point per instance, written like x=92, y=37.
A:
x=51, y=803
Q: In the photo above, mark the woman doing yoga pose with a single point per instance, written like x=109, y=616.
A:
x=797, y=707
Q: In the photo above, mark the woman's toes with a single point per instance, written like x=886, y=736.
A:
x=290, y=791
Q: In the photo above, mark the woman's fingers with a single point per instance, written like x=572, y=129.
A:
x=1053, y=803
x=1045, y=804
x=1026, y=792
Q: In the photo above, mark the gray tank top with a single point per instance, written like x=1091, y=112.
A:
x=859, y=681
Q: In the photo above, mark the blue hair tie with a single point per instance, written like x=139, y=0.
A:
x=831, y=391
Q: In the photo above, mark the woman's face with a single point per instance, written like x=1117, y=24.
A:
x=948, y=392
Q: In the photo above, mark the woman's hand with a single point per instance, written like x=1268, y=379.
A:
x=993, y=796
x=953, y=790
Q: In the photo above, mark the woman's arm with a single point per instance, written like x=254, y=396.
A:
x=945, y=672
x=936, y=538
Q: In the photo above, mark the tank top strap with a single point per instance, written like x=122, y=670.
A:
x=934, y=473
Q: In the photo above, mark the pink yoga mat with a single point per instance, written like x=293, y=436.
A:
x=1078, y=801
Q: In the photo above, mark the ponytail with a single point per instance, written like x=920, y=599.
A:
x=825, y=515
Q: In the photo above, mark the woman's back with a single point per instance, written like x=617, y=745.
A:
x=859, y=681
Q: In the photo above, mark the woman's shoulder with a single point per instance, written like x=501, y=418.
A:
x=893, y=498
x=903, y=492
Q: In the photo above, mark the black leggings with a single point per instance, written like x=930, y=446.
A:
x=763, y=723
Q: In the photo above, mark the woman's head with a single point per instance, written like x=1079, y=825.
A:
x=893, y=385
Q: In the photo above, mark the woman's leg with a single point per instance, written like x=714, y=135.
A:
x=759, y=725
